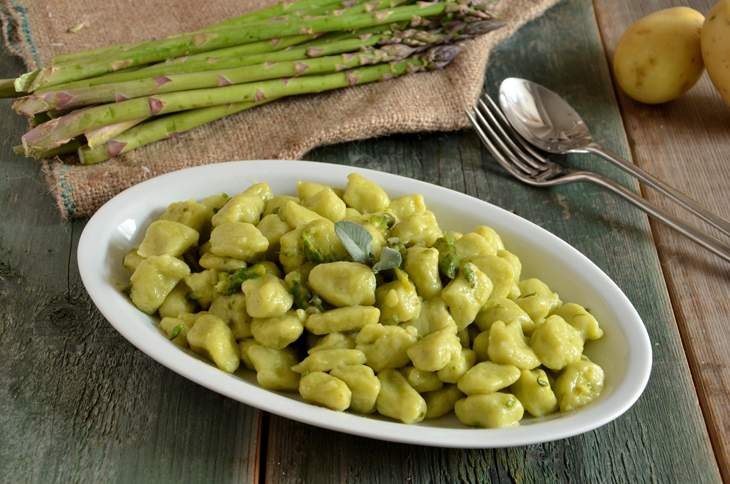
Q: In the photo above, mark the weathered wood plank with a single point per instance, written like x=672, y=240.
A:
x=686, y=143
x=662, y=438
x=77, y=402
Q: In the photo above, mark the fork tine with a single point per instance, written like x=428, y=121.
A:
x=515, y=135
x=494, y=113
x=496, y=153
x=498, y=142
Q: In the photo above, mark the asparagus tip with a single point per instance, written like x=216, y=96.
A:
x=440, y=56
x=481, y=27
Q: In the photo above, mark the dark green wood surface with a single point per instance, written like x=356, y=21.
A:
x=79, y=404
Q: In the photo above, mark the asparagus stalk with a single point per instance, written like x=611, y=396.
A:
x=72, y=98
x=161, y=128
x=158, y=129
x=256, y=15
x=197, y=64
x=58, y=131
x=284, y=8
x=71, y=147
x=201, y=42
x=248, y=54
x=100, y=136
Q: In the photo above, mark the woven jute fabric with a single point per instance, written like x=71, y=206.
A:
x=433, y=101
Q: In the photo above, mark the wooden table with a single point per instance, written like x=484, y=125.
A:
x=80, y=404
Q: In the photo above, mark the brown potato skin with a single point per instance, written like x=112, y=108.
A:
x=659, y=57
x=715, y=40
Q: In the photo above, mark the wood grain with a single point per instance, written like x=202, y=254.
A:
x=662, y=438
x=687, y=144
x=77, y=402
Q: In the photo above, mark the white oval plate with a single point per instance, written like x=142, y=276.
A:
x=624, y=352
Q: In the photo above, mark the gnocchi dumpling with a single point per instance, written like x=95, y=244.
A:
x=194, y=214
x=507, y=345
x=326, y=360
x=493, y=410
x=238, y=240
x=213, y=338
x=536, y=299
x=350, y=318
x=244, y=207
x=532, y=388
x=488, y=377
x=435, y=350
x=422, y=265
x=399, y=400
x=385, y=346
x=326, y=390
x=278, y=332
x=364, y=195
x=579, y=384
x=343, y=283
x=273, y=367
x=466, y=294
x=421, y=228
x=363, y=384
x=154, y=279
x=440, y=402
x=266, y=296
x=506, y=310
x=164, y=237
x=579, y=317
x=556, y=343
x=398, y=300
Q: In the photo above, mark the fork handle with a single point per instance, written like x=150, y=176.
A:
x=674, y=194
x=707, y=241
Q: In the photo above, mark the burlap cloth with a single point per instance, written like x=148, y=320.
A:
x=37, y=30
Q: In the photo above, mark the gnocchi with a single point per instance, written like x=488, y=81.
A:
x=361, y=302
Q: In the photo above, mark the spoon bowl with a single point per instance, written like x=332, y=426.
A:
x=542, y=117
x=548, y=122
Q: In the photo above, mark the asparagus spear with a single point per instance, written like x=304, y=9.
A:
x=187, y=64
x=71, y=147
x=201, y=42
x=203, y=60
x=240, y=55
x=161, y=128
x=260, y=14
x=247, y=55
x=57, y=131
x=100, y=136
x=74, y=98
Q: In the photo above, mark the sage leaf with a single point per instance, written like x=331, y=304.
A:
x=389, y=259
x=356, y=240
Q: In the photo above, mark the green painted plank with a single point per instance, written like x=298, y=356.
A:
x=663, y=437
x=77, y=402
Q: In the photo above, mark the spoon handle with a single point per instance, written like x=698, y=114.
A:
x=706, y=241
x=674, y=194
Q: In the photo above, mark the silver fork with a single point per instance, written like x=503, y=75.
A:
x=523, y=162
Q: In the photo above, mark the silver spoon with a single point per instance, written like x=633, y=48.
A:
x=548, y=122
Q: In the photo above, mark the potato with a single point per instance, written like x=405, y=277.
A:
x=715, y=39
x=659, y=57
